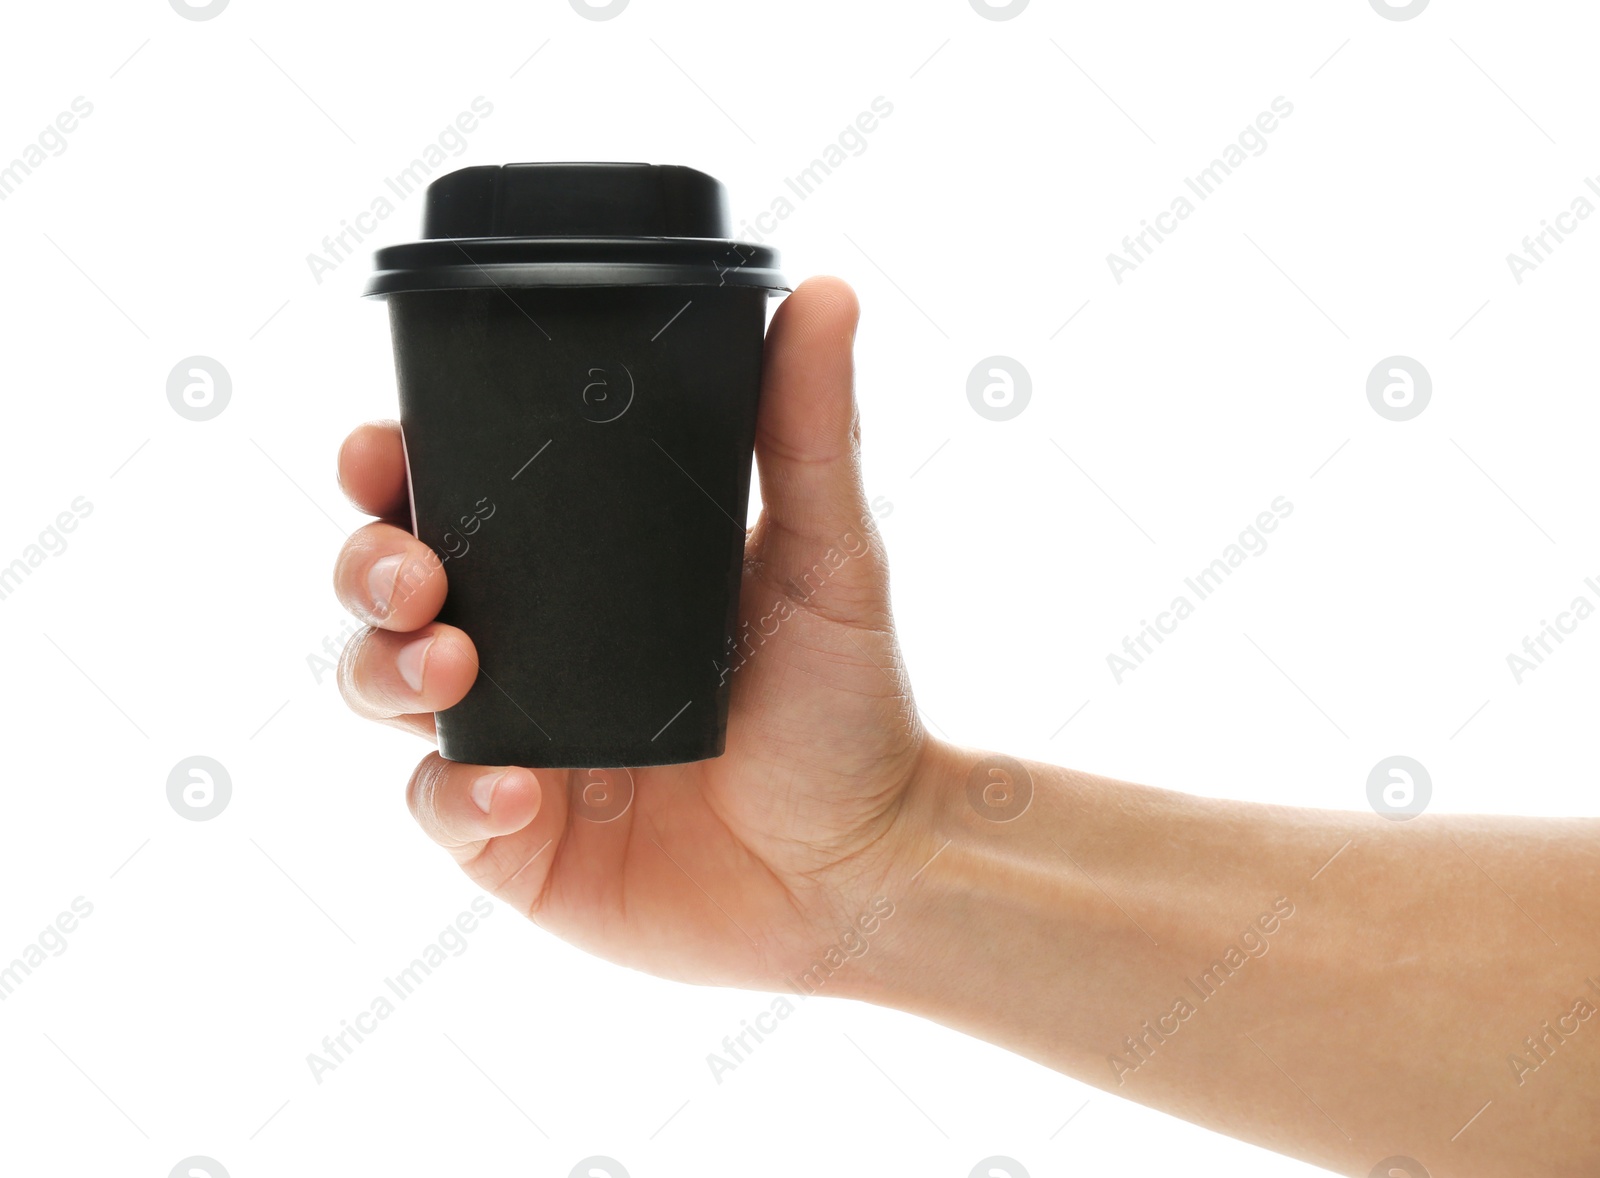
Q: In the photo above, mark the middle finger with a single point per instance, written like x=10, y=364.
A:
x=405, y=678
x=389, y=579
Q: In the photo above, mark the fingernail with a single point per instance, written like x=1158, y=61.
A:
x=413, y=660
x=381, y=581
x=483, y=789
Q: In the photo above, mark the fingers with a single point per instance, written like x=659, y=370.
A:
x=806, y=440
x=389, y=579
x=461, y=806
x=407, y=677
x=372, y=471
x=816, y=541
x=464, y=807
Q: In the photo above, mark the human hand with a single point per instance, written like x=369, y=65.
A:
x=733, y=870
x=1101, y=928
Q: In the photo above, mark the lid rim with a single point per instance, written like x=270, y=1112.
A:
x=702, y=246
x=533, y=276
x=519, y=262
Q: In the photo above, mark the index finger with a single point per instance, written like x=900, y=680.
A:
x=372, y=471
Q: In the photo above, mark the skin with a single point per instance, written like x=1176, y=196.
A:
x=1378, y=979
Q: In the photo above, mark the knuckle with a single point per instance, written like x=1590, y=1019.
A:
x=343, y=566
x=421, y=791
x=351, y=661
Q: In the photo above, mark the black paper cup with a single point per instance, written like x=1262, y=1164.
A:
x=578, y=408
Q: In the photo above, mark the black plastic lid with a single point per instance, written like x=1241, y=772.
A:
x=564, y=224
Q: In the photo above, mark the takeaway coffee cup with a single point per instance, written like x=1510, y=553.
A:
x=578, y=353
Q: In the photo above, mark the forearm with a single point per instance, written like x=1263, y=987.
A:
x=1334, y=986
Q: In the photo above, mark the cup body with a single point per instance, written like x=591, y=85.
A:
x=579, y=461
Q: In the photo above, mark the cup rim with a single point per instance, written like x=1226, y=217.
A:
x=471, y=263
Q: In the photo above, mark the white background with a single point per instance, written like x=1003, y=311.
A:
x=1227, y=370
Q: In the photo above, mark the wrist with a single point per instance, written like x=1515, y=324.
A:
x=976, y=871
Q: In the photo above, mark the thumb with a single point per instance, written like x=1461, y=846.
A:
x=806, y=443
x=816, y=530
